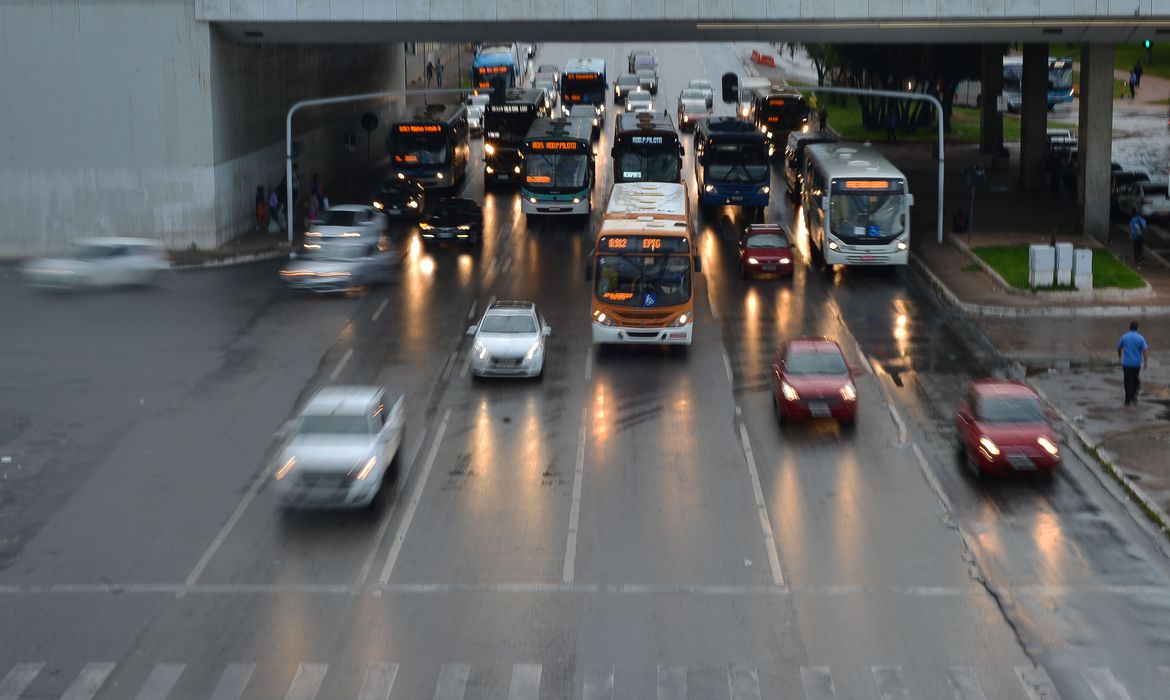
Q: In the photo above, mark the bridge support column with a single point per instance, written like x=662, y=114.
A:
x=1033, y=117
x=990, y=119
x=1095, y=149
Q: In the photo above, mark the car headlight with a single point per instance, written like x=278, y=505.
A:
x=771, y=150
x=366, y=468
x=765, y=189
x=901, y=245
x=425, y=226
x=464, y=227
x=533, y=350
x=785, y=261
x=600, y=317
x=1049, y=446
x=763, y=129
x=682, y=320
x=489, y=148
x=595, y=121
x=286, y=468
x=708, y=188
x=401, y=176
x=480, y=350
x=832, y=245
x=599, y=108
x=804, y=129
x=439, y=176
x=744, y=112
x=378, y=206
x=769, y=134
x=988, y=446
x=413, y=204
x=576, y=200
x=686, y=118
x=489, y=170
x=849, y=392
x=516, y=169
x=753, y=261
x=789, y=392
x=313, y=234
x=532, y=200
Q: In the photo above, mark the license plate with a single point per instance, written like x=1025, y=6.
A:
x=1021, y=462
x=818, y=410
x=678, y=336
x=737, y=199
x=868, y=257
x=768, y=268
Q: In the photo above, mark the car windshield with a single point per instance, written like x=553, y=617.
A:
x=450, y=210
x=816, y=363
x=336, y=217
x=695, y=95
x=643, y=281
x=640, y=99
x=90, y=251
x=767, y=240
x=507, y=323
x=700, y=84
x=627, y=80
x=334, y=424
x=1014, y=409
x=546, y=68
x=646, y=75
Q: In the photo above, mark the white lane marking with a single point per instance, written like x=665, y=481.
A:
x=233, y=681
x=743, y=683
x=818, y=683
x=415, y=497
x=87, y=683
x=931, y=479
x=381, y=307
x=598, y=683
x=898, y=422
x=222, y=535
x=161, y=680
x=726, y=363
x=20, y=677
x=965, y=684
x=471, y=311
x=449, y=366
x=341, y=365
x=1105, y=686
x=589, y=363
x=466, y=367
x=1037, y=684
x=452, y=683
x=575, y=510
x=379, y=682
x=507, y=266
x=388, y=516
x=761, y=507
x=672, y=683
x=307, y=682
x=891, y=683
x=525, y=682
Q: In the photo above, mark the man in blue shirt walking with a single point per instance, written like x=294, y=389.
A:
x=1134, y=352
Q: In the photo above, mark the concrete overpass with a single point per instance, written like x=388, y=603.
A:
x=160, y=118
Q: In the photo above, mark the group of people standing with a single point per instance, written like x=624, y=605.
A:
x=272, y=209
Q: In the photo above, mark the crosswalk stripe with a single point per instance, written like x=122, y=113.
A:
x=1037, y=684
x=818, y=683
x=890, y=683
x=161, y=680
x=379, y=682
x=598, y=683
x=87, y=683
x=525, y=682
x=307, y=682
x=965, y=683
x=1105, y=686
x=672, y=683
x=452, y=682
x=743, y=683
x=20, y=677
x=232, y=682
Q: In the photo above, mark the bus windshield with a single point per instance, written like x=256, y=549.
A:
x=420, y=149
x=644, y=281
x=1060, y=75
x=787, y=113
x=548, y=171
x=589, y=88
x=507, y=128
x=866, y=216
x=737, y=162
x=657, y=163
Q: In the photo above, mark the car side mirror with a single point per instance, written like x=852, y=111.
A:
x=472, y=329
x=547, y=331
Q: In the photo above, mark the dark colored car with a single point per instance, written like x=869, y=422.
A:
x=623, y=86
x=810, y=379
x=400, y=197
x=1002, y=428
x=765, y=249
x=453, y=219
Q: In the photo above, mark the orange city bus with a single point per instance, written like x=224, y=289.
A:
x=643, y=266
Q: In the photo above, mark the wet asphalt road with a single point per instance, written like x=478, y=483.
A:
x=142, y=553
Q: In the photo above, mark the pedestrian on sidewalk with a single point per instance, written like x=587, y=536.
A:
x=439, y=72
x=1132, y=85
x=274, y=212
x=891, y=125
x=823, y=117
x=312, y=210
x=261, y=209
x=1138, y=228
x=1134, y=352
x=1137, y=71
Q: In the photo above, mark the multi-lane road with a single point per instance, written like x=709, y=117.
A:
x=635, y=526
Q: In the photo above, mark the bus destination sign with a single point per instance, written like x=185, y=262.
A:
x=419, y=128
x=562, y=146
x=646, y=140
x=582, y=76
x=864, y=185
x=645, y=244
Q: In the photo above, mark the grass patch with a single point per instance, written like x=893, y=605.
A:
x=1125, y=55
x=1011, y=262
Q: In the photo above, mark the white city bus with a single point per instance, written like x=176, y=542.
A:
x=856, y=205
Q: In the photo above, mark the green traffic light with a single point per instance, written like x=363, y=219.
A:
x=1147, y=43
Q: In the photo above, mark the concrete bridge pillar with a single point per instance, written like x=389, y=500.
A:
x=1034, y=118
x=1095, y=151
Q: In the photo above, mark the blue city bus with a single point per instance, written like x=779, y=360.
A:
x=558, y=167
x=583, y=82
x=433, y=147
x=732, y=163
x=496, y=60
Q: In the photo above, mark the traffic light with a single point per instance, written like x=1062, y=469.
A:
x=730, y=92
x=1147, y=44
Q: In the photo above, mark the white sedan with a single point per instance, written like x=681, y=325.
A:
x=509, y=341
x=341, y=448
x=356, y=221
x=639, y=101
x=100, y=262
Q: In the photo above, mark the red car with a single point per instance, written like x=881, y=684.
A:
x=1003, y=429
x=765, y=249
x=810, y=379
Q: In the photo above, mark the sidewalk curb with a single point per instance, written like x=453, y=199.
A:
x=233, y=260
x=1152, y=510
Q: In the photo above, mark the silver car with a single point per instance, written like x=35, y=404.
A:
x=333, y=268
x=475, y=105
x=639, y=101
x=100, y=262
x=705, y=87
x=344, y=221
x=340, y=449
x=509, y=341
x=692, y=108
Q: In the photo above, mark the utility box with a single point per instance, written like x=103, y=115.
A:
x=1083, y=268
x=1064, y=263
x=1041, y=265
